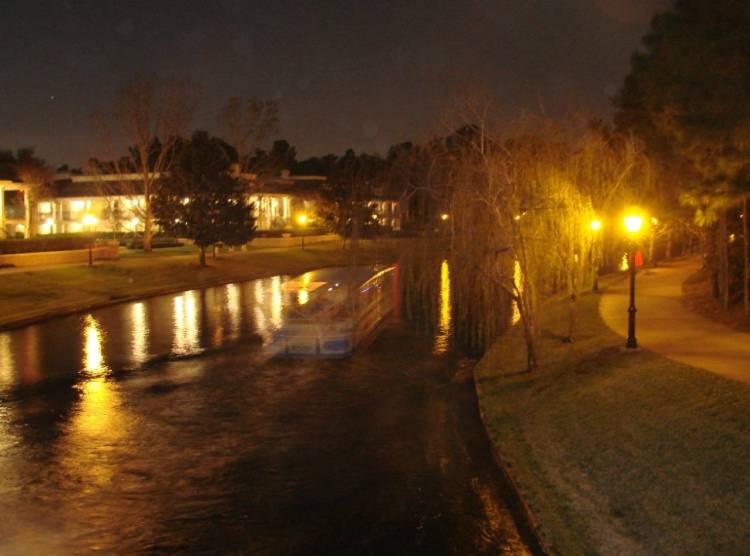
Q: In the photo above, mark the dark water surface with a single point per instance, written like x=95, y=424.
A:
x=159, y=427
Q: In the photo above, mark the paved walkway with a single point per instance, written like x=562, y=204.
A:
x=665, y=326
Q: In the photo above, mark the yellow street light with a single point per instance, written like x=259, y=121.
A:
x=302, y=220
x=633, y=223
x=596, y=225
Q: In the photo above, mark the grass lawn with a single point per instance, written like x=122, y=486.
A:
x=35, y=294
x=620, y=453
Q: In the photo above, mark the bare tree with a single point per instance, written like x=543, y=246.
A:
x=247, y=124
x=37, y=176
x=149, y=115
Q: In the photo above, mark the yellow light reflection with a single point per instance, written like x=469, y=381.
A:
x=185, y=324
x=444, y=322
x=234, y=309
x=259, y=292
x=97, y=424
x=93, y=352
x=277, y=302
x=518, y=281
x=303, y=296
x=261, y=324
x=139, y=339
x=7, y=362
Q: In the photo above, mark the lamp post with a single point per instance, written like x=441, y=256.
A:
x=596, y=226
x=302, y=220
x=633, y=224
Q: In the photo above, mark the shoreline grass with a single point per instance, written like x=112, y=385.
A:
x=34, y=295
x=616, y=452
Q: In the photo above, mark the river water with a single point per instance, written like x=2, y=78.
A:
x=159, y=427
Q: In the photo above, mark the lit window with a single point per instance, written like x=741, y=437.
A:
x=77, y=206
x=45, y=207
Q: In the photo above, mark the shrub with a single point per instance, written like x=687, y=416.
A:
x=45, y=243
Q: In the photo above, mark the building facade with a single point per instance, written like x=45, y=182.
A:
x=116, y=203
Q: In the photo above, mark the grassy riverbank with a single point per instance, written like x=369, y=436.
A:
x=620, y=453
x=33, y=294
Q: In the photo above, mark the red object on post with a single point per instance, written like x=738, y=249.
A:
x=638, y=258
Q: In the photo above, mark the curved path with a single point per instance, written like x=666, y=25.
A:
x=666, y=326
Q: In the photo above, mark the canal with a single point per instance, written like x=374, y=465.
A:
x=159, y=426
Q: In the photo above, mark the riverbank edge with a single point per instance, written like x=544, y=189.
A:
x=531, y=521
x=73, y=309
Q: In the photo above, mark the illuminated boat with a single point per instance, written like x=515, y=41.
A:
x=336, y=309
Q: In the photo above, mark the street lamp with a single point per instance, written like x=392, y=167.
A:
x=596, y=226
x=302, y=221
x=633, y=225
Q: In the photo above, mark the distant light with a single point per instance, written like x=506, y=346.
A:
x=654, y=220
x=624, y=264
x=49, y=222
x=596, y=225
x=517, y=217
x=89, y=220
x=302, y=219
x=444, y=216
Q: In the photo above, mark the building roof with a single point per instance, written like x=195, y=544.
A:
x=97, y=186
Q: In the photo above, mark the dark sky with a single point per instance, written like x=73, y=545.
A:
x=346, y=73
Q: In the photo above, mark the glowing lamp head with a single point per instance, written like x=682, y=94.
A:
x=633, y=223
x=444, y=216
x=302, y=219
x=596, y=225
x=89, y=220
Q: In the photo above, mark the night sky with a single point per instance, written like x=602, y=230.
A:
x=346, y=73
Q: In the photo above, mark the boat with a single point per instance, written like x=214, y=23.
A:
x=336, y=310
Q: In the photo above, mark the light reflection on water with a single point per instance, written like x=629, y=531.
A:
x=234, y=309
x=189, y=449
x=277, y=302
x=442, y=338
x=93, y=352
x=7, y=362
x=185, y=322
x=139, y=335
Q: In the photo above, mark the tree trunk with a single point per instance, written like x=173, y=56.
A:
x=147, y=233
x=652, y=251
x=670, y=244
x=202, y=256
x=530, y=339
x=712, y=259
x=29, y=209
x=723, y=245
x=745, y=257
